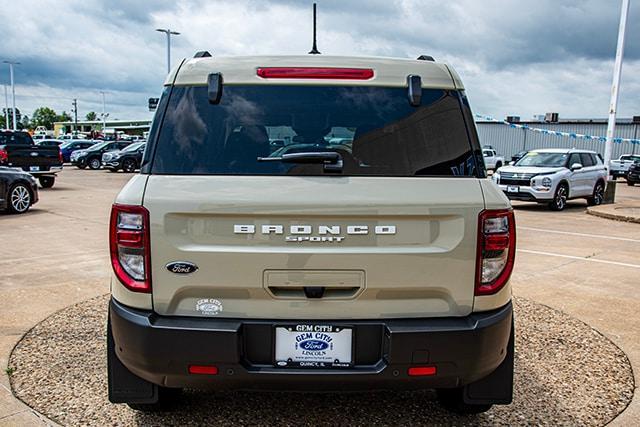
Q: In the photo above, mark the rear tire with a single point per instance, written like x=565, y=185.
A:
x=47, y=181
x=19, y=199
x=630, y=183
x=598, y=195
x=560, y=198
x=94, y=163
x=129, y=165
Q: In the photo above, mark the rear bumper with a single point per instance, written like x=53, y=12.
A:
x=52, y=171
x=111, y=164
x=527, y=194
x=160, y=349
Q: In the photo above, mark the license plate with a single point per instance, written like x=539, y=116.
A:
x=314, y=346
x=34, y=168
x=513, y=189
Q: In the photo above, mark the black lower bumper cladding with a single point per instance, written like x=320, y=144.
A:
x=160, y=350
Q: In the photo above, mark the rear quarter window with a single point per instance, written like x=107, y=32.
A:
x=586, y=159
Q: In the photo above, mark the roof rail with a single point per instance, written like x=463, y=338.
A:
x=202, y=54
x=425, y=58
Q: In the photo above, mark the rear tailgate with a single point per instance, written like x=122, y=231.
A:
x=29, y=157
x=420, y=261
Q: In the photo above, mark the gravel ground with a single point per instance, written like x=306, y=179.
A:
x=566, y=374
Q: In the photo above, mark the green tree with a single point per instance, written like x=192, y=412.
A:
x=44, y=116
x=63, y=117
x=24, y=123
x=91, y=115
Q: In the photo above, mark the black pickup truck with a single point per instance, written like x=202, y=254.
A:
x=17, y=150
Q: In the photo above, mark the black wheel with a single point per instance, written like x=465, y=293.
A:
x=19, y=199
x=630, y=183
x=598, y=195
x=81, y=165
x=47, y=181
x=560, y=198
x=498, y=165
x=129, y=165
x=452, y=400
x=94, y=163
x=167, y=398
x=112, y=169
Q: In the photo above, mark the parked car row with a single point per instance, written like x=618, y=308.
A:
x=620, y=168
x=92, y=156
x=17, y=150
x=128, y=159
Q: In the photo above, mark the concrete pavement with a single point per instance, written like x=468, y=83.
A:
x=57, y=255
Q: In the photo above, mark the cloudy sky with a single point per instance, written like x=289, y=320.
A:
x=515, y=57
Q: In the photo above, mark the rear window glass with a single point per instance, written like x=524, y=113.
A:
x=9, y=138
x=374, y=130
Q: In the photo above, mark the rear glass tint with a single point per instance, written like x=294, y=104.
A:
x=17, y=138
x=375, y=130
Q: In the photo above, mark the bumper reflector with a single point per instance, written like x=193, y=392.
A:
x=421, y=371
x=203, y=370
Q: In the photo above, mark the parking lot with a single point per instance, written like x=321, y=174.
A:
x=56, y=255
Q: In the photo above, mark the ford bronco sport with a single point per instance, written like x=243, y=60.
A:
x=312, y=223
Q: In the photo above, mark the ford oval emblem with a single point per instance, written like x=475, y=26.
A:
x=34, y=154
x=314, y=345
x=182, y=267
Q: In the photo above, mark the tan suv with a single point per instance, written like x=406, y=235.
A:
x=312, y=223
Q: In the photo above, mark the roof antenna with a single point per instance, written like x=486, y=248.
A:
x=314, y=49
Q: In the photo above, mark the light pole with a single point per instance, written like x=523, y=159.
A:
x=6, y=109
x=617, y=74
x=13, y=90
x=168, y=32
x=104, y=114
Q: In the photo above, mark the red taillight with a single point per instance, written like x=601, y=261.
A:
x=496, y=250
x=3, y=155
x=129, y=246
x=421, y=371
x=203, y=369
x=315, y=73
x=60, y=159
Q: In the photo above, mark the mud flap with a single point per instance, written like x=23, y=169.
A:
x=124, y=386
x=497, y=387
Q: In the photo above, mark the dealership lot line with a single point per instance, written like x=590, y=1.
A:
x=569, y=233
x=623, y=264
x=57, y=255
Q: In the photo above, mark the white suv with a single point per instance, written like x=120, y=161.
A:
x=554, y=176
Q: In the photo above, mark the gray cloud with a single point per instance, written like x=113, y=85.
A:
x=519, y=57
